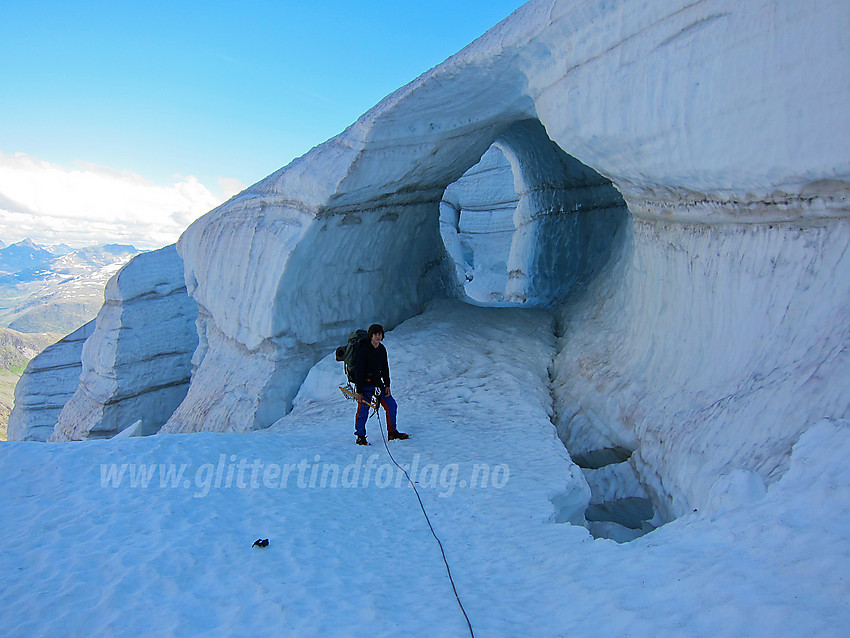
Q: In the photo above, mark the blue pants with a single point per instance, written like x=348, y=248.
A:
x=390, y=407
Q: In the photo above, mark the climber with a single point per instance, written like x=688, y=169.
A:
x=371, y=376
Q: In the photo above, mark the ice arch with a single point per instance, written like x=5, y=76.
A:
x=566, y=220
x=372, y=249
x=566, y=217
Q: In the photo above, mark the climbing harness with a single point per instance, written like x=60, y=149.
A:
x=350, y=393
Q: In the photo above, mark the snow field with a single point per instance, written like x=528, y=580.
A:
x=81, y=556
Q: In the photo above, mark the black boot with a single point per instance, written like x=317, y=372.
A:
x=395, y=434
x=361, y=440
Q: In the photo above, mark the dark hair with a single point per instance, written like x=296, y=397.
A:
x=375, y=328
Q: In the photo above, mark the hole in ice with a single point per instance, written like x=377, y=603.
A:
x=477, y=225
x=529, y=223
x=622, y=510
x=596, y=459
x=631, y=512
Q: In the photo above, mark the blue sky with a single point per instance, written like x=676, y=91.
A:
x=222, y=92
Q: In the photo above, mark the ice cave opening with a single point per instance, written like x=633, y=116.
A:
x=531, y=225
x=477, y=226
x=528, y=223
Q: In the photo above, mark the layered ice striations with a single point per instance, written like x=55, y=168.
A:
x=49, y=380
x=708, y=349
x=528, y=222
x=137, y=362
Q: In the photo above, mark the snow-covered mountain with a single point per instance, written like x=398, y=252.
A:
x=55, y=288
x=63, y=249
x=675, y=363
x=24, y=261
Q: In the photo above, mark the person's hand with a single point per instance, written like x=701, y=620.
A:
x=387, y=391
x=358, y=396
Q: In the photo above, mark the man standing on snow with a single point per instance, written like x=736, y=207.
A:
x=371, y=372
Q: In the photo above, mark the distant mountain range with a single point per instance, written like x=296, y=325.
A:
x=55, y=288
x=47, y=292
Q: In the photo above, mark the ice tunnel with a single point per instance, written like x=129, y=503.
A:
x=529, y=222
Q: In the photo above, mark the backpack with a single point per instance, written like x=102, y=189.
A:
x=348, y=353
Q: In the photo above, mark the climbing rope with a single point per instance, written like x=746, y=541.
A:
x=422, y=507
x=350, y=393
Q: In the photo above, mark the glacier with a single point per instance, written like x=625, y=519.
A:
x=668, y=181
x=49, y=380
x=136, y=363
x=96, y=534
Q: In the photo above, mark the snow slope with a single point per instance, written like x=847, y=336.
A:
x=79, y=555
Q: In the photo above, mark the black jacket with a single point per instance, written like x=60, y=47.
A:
x=370, y=366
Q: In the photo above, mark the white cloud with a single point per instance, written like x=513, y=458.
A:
x=88, y=204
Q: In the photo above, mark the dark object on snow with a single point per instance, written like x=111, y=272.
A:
x=261, y=542
x=395, y=434
x=361, y=440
